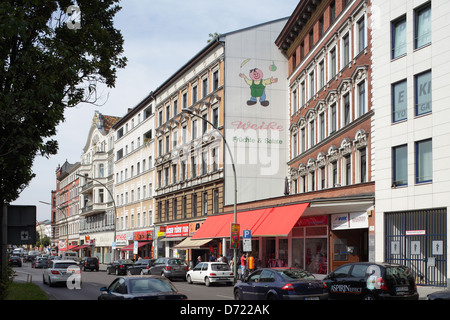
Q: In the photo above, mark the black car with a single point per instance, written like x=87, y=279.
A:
x=89, y=263
x=372, y=281
x=40, y=263
x=15, y=261
x=141, y=288
x=280, y=284
x=141, y=267
x=119, y=266
x=439, y=295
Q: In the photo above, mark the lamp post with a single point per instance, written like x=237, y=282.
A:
x=67, y=223
x=190, y=112
x=114, y=204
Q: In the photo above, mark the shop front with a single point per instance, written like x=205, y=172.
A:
x=307, y=236
x=140, y=247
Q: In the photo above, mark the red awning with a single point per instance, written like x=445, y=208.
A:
x=70, y=248
x=130, y=247
x=276, y=222
x=80, y=247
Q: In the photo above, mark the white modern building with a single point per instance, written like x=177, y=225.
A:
x=411, y=135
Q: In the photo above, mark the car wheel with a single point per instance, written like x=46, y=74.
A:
x=43, y=279
x=142, y=272
x=207, y=282
x=50, y=284
x=117, y=272
x=188, y=279
x=237, y=295
x=128, y=273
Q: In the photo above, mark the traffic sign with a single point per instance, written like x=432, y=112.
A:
x=247, y=234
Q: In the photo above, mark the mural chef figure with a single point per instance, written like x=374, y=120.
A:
x=258, y=86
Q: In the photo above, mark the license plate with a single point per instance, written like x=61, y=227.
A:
x=402, y=290
x=312, y=298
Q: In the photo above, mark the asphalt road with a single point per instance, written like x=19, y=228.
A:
x=92, y=281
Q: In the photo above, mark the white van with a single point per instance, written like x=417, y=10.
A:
x=69, y=255
x=18, y=252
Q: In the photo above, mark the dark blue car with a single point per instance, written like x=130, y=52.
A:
x=280, y=284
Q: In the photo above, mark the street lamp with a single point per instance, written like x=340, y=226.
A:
x=67, y=223
x=114, y=204
x=190, y=112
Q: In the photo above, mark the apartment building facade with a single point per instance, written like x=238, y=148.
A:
x=134, y=137
x=65, y=206
x=412, y=136
x=328, y=44
x=97, y=210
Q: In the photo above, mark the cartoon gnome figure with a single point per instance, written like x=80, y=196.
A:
x=258, y=86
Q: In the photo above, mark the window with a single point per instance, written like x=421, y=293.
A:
x=215, y=80
x=424, y=161
x=193, y=166
x=294, y=102
x=361, y=34
x=346, y=50
x=205, y=203
x=322, y=126
x=399, y=101
x=175, y=207
x=294, y=146
x=215, y=117
x=334, y=174
x=204, y=87
x=303, y=93
x=362, y=98
x=321, y=74
x=348, y=170
x=194, y=94
x=423, y=93
x=183, y=207
x=184, y=100
x=312, y=134
x=333, y=118
x=175, y=107
x=194, y=129
x=303, y=133
x=362, y=166
x=398, y=37
x=311, y=85
x=422, y=26
x=332, y=12
x=194, y=204
x=215, y=201
x=204, y=162
x=347, y=111
x=333, y=63
x=215, y=159
x=400, y=166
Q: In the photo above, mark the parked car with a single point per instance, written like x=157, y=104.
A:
x=118, y=267
x=141, y=288
x=40, y=262
x=210, y=272
x=372, y=281
x=15, y=261
x=59, y=271
x=90, y=263
x=439, y=295
x=170, y=268
x=280, y=284
x=141, y=267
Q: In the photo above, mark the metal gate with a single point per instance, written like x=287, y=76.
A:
x=418, y=239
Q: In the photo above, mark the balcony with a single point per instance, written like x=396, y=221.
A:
x=95, y=208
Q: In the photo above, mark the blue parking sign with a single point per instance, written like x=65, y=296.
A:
x=247, y=234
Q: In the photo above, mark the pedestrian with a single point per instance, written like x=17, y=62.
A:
x=220, y=259
x=243, y=265
x=199, y=259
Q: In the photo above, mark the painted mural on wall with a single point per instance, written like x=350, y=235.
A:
x=258, y=84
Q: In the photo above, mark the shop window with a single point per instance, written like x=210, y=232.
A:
x=340, y=250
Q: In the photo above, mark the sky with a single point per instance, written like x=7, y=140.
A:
x=160, y=36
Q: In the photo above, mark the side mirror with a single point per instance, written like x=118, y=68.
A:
x=103, y=289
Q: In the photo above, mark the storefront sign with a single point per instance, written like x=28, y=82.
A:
x=234, y=236
x=143, y=235
x=354, y=220
x=122, y=239
x=312, y=221
x=415, y=232
x=194, y=226
x=162, y=231
x=178, y=230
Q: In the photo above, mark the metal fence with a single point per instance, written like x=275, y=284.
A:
x=418, y=239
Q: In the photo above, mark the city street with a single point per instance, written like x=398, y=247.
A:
x=92, y=281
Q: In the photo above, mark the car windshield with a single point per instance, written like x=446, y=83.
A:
x=295, y=274
x=220, y=267
x=150, y=285
x=176, y=262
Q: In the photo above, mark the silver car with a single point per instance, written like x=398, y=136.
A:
x=170, y=268
x=62, y=271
